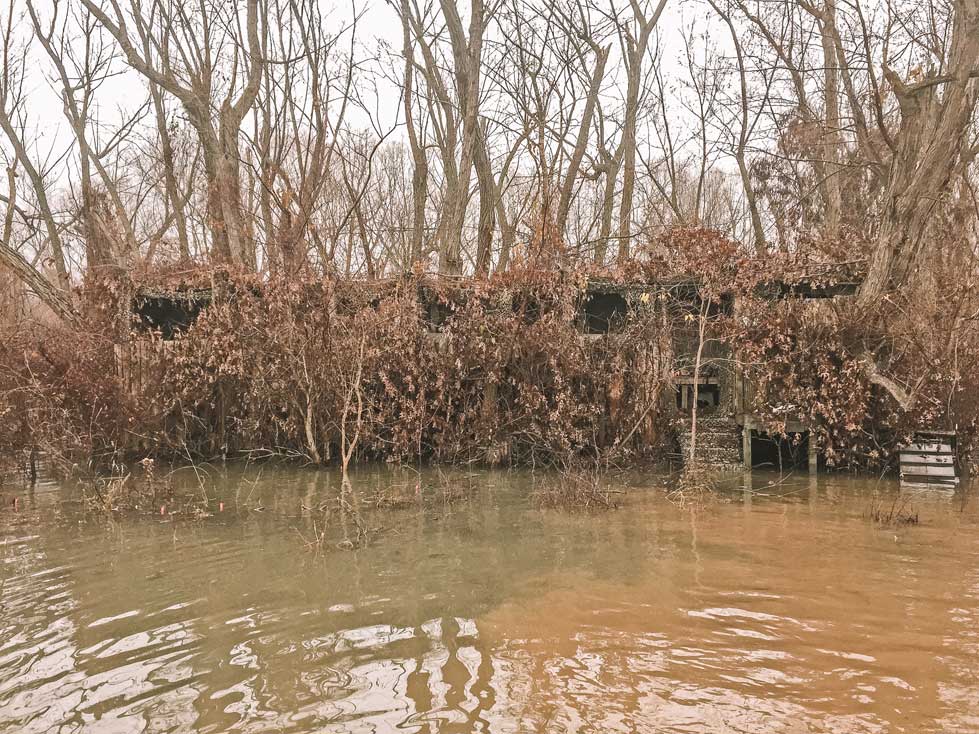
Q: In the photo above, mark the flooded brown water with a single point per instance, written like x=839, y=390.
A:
x=776, y=609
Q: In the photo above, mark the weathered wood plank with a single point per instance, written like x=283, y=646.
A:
x=929, y=482
x=908, y=458
x=929, y=447
x=928, y=471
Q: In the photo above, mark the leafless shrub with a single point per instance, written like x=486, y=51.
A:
x=316, y=539
x=144, y=491
x=577, y=487
x=338, y=523
x=696, y=487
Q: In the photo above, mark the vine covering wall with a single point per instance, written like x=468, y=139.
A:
x=327, y=370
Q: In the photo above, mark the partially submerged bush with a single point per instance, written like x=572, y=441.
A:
x=59, y=397
x=899, y=511
x=577, y=487
x=695, y=486
x=864, y=382
x=142, y=490
x=441, y=492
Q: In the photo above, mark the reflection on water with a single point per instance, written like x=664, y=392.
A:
x=779, y=609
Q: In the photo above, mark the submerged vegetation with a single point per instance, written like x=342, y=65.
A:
x=143, y=490
x=898, y=511
x=577, y=488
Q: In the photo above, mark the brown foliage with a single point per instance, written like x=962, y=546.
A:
x=309, y=368
x=497, y=370
x=832, y=364
x=59, y=396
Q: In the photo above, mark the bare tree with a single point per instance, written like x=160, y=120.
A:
x=634, y=35
x=419, y=176
x=27, y=273
x=13, y=122
x=747, y=120
x=533, y=131
x=187, y=51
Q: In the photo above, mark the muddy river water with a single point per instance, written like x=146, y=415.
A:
x=779, y=607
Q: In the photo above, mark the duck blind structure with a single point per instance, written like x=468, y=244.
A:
x=930, y=459
x=727, y=426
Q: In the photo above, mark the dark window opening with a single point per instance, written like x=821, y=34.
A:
x=168, y=316
x=438, y=307
x=604, y=312
x=528, y=308
x=708, y=397
x=781, y=452
x=438, y=313
x=808, y=289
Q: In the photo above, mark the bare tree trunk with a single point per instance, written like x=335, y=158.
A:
x=831, y=143
x=507, y=236
x=419, y=173
x=628, y=185
x=54, y=298
x=611, y=170
x=467, y=55
x=581, y=142
x=169, y=172
x=635, y=53
x=487, y=207
x=701, y=327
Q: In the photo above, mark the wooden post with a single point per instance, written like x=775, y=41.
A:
x=737, y=404
x=813, y=454
x=746, y=443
